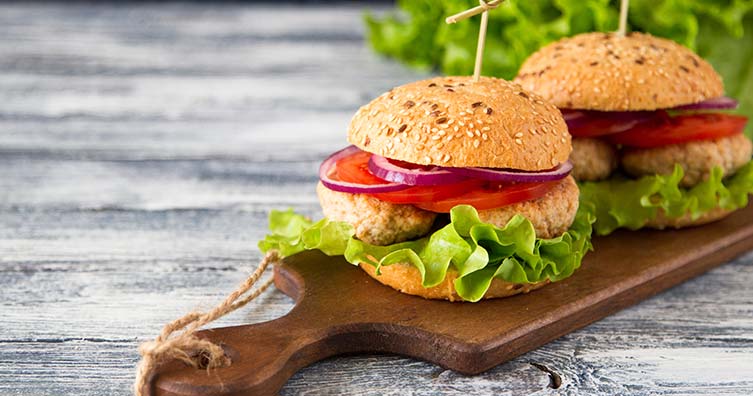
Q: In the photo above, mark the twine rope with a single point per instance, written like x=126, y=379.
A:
x=178, y=338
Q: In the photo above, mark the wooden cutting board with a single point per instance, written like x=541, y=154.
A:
x=339, y=310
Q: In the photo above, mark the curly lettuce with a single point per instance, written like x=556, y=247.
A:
x=479, y=251
x=628, y=203
x=719, y=30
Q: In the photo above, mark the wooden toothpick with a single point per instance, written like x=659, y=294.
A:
x=480, y=46
x=623, y=18
x=485, y=6
x=482, y=9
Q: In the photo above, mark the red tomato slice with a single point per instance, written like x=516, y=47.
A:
x=355, y=169
x=491, y=198
x=416, y=194
x=442, y=198
x=680, y=129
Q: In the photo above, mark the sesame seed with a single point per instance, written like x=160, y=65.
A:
x=484, y=136
x=470, y=134
x=519, y=135
x=518, y=141
x=402, y=128
x=489, y=110
x=427, y=158
x=441, y=120
x=477, y=104
x=410, y=104
x=476, y=143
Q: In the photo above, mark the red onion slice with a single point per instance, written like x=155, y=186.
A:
x=325, y=170
x=720, y=103
x=592, y=123
x=385, y=169
x=506, y=175
x=572, y=115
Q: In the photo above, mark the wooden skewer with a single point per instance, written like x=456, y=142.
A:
x=623, y=17
x=480, y=46
x=473, y=11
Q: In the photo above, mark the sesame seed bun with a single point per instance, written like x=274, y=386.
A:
x=607, y=72
x=405, y=278
x=453, y=121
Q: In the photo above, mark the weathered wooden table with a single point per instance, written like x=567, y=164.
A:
x=141, y=147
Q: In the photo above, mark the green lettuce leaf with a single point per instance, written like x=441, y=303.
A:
x=628, y=203
x=479, y=251
x=720, y=30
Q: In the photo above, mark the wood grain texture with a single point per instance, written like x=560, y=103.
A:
x=140, y=149
x=466, y=338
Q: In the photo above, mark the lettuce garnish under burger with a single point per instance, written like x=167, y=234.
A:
x=453, y=189
x=654, y=110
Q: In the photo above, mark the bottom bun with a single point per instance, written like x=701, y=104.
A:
x=661, y=221
x=405, y=278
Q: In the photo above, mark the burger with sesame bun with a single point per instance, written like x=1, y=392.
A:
x=652, y=134
x=452, y=189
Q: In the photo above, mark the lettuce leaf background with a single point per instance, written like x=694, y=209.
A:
x=479, y=251
x=719, y=30
x=628, y=203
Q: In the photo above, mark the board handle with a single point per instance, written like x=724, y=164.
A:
x=263, y=356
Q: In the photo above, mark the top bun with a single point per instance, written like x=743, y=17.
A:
x=453, y=121
x=608, y=72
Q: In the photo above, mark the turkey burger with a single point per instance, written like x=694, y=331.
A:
x=454, y=190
